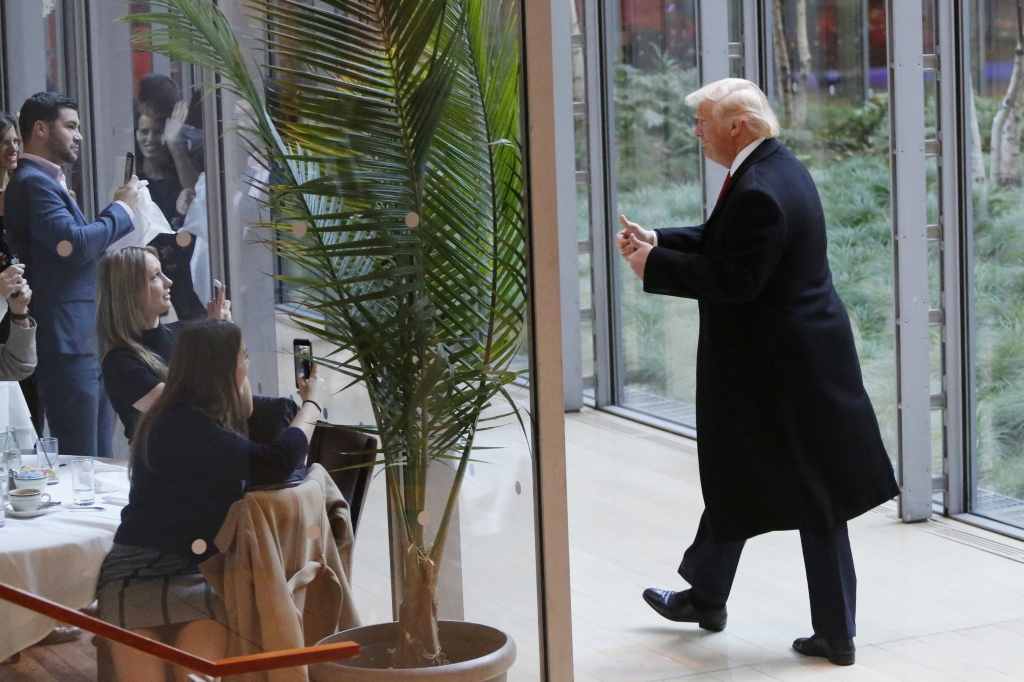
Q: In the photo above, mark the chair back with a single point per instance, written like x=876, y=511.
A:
x=337, y=449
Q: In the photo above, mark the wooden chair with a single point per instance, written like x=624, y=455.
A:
x=337, y=449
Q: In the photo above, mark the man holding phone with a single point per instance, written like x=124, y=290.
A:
x=48, y=232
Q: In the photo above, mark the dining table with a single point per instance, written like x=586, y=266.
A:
x=58, y=554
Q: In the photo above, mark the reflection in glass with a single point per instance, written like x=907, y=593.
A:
x=169, y=157
x=658, y=184
x=53, y=40
x=998, y=267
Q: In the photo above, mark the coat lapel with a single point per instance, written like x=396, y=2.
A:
x=763, y=151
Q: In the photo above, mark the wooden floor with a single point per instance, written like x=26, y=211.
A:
x=938, y=601
x=70, y=662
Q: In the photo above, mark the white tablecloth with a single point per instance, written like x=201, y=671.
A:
x=57, y=555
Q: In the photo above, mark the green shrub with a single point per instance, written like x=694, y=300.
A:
x=653, y=125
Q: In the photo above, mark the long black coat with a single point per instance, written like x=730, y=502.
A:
x=786, y=434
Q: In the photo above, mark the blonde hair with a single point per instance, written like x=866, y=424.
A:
x=738, y=99
x=122, y=289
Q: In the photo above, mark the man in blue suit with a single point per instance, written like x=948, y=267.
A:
x=61, y=249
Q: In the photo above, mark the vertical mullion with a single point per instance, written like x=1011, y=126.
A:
x=601, y=228
x=910, y=254
x=752, y=43
x=766, y=50
x=4, y=94
x=954, y=107
x=79, y=85
x=713, y=44
x=610, y=45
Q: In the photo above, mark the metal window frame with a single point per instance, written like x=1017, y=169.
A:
x=601, y=220
x=910, y=258
x=953, y=35
x=4, y=94
x=713, y=65
x=78, y=49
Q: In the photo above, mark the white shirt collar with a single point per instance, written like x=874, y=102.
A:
x=744, y=153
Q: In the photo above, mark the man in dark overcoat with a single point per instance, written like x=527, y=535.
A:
x=787, y=437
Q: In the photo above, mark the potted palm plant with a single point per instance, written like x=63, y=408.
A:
x=390, y=130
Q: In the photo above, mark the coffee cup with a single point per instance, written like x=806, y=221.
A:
x=27, y=499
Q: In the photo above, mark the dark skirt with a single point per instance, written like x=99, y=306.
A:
x=141, y=587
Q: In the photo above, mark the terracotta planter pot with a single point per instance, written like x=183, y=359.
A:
x=477, y=653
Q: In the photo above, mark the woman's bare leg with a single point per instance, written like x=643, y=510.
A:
x=206, y=638
x=131, y=665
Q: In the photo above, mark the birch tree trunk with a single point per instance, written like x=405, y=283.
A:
x=579, y=88
x=1005, y=161
x=804, y=53
x=979, y=177
x=780, y=54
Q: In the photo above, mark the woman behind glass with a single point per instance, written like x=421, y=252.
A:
x=190, y=462
x=165, y=163
x=132, y=293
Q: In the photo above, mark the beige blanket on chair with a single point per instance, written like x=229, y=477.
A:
x=283, y=570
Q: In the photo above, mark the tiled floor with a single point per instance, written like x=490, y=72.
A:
x=931, y=609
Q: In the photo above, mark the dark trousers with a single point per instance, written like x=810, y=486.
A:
x=76, y=404
x=710, y=567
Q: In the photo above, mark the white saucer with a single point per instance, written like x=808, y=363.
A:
x=26, y=514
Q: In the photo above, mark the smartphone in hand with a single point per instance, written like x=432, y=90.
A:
x=302, y=350
x=129, y=167
x=217, y=286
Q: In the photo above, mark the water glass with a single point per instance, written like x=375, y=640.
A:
x=82, y=480
x=47, y=447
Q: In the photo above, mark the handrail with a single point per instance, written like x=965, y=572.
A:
x=237, y=665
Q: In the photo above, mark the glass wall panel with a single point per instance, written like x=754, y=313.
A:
x=584, y=225
x=308, y=567
x=487, y=573
x=998, y=268
x=830, y=96
x=657, y=183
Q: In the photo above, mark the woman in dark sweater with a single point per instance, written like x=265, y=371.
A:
x=190, y=462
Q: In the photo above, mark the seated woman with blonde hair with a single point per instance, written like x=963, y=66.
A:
x=190, y=461
x=132, y=293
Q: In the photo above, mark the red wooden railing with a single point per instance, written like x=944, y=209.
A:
x=237, y=665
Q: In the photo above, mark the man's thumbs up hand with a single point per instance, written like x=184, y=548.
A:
x=638, y=259
x=630, y=229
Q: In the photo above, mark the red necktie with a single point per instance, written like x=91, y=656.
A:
x=728, y=177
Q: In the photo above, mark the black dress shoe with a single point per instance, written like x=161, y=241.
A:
x=679, y=607
x=838, y=651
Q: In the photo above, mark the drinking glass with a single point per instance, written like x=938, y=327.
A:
x=47, y=447
x=82, y=480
